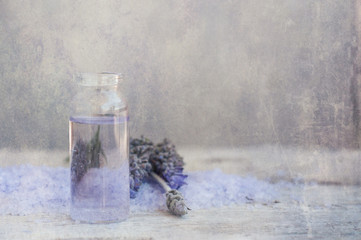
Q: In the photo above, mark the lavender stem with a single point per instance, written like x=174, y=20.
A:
x=161, y=181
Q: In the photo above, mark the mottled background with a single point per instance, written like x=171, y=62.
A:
x=203, y=73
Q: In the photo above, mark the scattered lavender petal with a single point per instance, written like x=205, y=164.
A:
x=27, y=189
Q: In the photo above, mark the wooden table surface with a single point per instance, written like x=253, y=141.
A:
x=317, y=211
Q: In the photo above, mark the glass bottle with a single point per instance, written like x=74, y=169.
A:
x=99, y=150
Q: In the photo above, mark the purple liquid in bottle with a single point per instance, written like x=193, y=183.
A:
x=99, y=168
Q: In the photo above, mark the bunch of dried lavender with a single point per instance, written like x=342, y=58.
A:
x=164, y=164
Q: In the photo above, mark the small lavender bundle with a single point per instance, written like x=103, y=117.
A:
x=164, y=164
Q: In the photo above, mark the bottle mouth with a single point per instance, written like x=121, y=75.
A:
x=98, y=79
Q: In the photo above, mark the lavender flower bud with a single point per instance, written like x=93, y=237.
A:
x=79, y=164
x=175, y=203
x=167, y=163
x=139, y=166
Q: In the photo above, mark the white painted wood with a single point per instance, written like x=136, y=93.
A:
x=303, y=211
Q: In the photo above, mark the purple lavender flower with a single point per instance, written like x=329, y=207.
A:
x=139, y=166
x=168, y=164
x=85, y=156
x=79, y=164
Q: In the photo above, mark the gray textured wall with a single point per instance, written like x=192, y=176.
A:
x=203, y=73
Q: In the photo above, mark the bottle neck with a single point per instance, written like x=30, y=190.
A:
x=98, y=80
x=98, y=94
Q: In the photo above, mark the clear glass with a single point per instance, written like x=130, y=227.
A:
x=99, y=149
